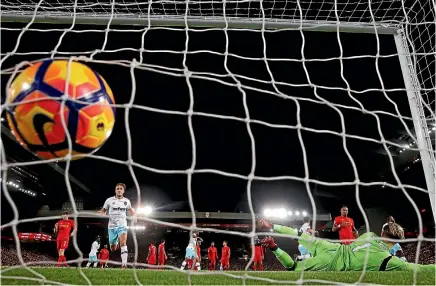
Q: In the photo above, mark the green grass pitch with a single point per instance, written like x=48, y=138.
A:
x=170, y=277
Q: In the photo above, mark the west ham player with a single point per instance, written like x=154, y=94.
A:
x=162, y=255
x=63, y=230
x=225, y=257
x=151, y=257
x=93, y=253
x=328, y=256
x=191, y=253
x=396, y=249
x=258, y=255
x=305, y=228
x=117, y=208
x=212, y=256
x=104, y=256
x=345, y=226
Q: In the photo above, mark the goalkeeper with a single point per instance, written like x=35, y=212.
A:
x=328, y=256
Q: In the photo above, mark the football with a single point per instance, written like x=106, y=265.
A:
x=38, y=111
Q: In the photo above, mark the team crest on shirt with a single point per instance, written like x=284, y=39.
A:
x=125, y=203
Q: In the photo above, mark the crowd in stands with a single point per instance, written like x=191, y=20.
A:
x=9, y=257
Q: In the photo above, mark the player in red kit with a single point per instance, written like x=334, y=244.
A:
x=225, y=256
x=63, y=230
x=212, y=256
x=198, y=250
x=104, y=256
x=258, y=255
x=162, y=255
x=345, y=226
x=151, y=257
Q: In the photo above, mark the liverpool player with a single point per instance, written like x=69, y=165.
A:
x=198, y=250
x=328, y=256
x=162, y=255
x=345, y=226
x=212, y=256
x=104, y=256
x=225, y=256
x=151, y=257
x=258, y=255
x=117, y=208
x=63, y=230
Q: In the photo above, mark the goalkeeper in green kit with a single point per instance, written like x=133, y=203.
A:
x=329, y=256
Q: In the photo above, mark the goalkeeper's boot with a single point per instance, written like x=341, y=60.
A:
x=263, y=223
x=268, y=242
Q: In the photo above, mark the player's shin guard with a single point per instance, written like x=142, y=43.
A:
x=88, y=264
x=284, y=258
x=183, y=265
x=197, y=265
x=124, y=254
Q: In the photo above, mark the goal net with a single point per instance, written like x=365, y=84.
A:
x=337, y=97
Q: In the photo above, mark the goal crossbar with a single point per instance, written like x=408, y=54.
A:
x=206, y=22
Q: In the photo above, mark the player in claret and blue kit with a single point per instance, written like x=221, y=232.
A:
x=117, y=208
x=93, y=253
x=191, y=253
x=328, y=256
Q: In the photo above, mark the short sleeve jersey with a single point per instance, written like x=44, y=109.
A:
x=345, y=232
x=117, y=211
x=305, y=227
x=192, y=243
x=161, y=250
x=152, y=250
x=64, y=227
x=225, y=252
x=94, y=248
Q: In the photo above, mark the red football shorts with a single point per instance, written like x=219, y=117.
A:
x=258, y=259
x=62, y=243
x=225, y=262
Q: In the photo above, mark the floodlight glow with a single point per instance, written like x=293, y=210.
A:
x=297, y=213
x=281, y=213
x=434, y=128
x=289, y=213
x=304, y=213
x=267, y=212
x=145, y=210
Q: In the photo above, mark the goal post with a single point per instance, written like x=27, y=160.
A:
x=422, y=130
x=396, y=18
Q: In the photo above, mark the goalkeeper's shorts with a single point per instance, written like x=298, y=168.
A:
x=191, y=253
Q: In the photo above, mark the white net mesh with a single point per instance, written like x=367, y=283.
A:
x=201, y=47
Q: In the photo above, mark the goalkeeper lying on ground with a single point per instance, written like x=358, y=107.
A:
x=329, y=256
